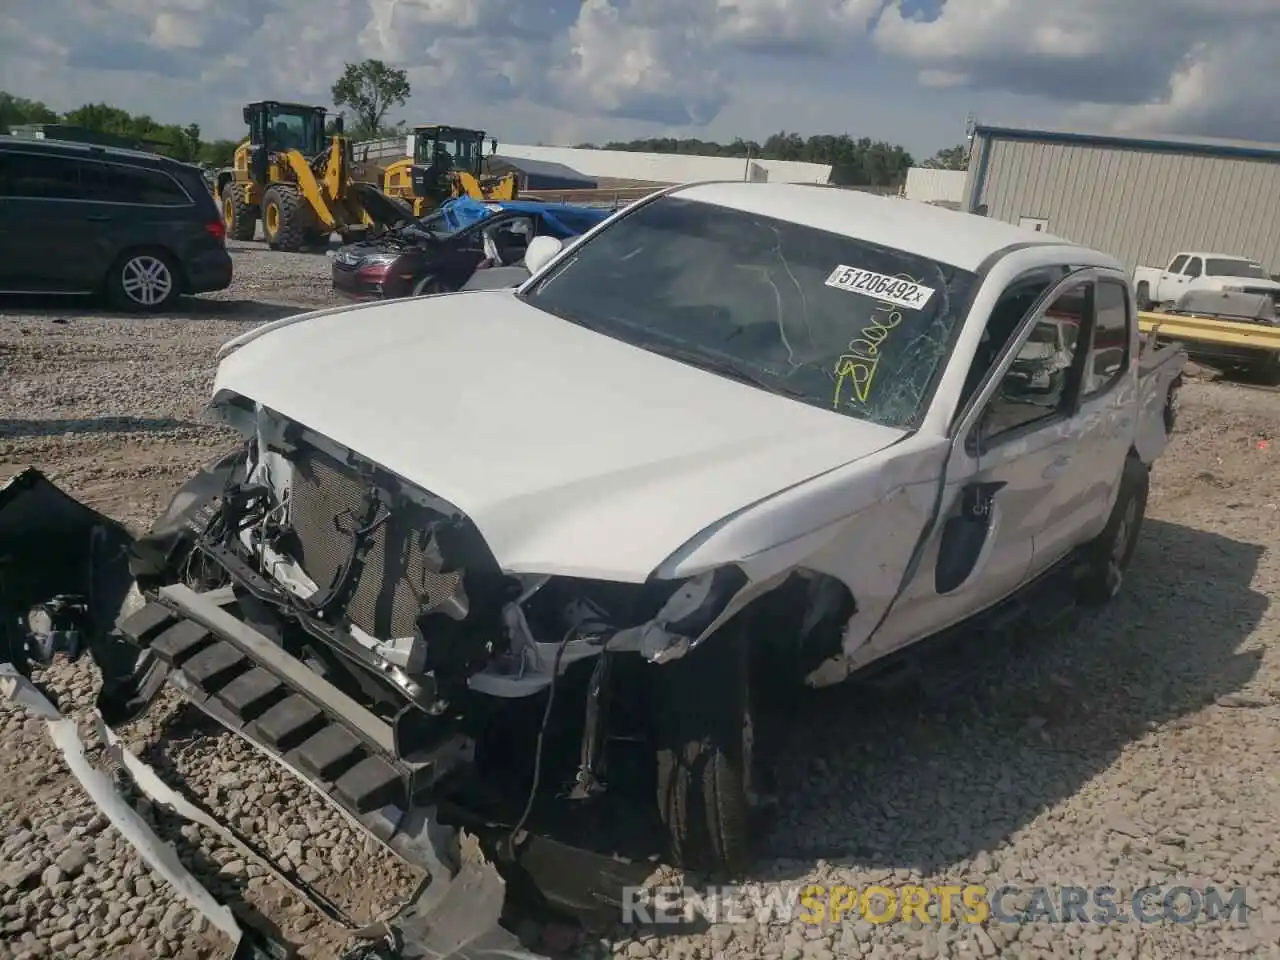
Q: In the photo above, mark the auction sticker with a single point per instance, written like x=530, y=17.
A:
x=896, y=290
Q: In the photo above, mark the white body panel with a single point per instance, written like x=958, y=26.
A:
x=577, y=454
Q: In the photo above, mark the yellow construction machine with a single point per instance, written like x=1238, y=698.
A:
x=447, y=162
x=297, y=180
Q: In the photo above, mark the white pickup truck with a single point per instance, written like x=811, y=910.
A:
x=1201, y=271
x=737, y=434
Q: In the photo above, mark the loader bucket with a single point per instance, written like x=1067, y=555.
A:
x=384, y=210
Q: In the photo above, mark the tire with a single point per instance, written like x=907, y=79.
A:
x=143, y=281
x=1107, y=556
x=316, y=238
x=704, y=728
x=237, y=213
x=282, y=218
x=429, y=285
x=1144, y=296
x=1268, y=370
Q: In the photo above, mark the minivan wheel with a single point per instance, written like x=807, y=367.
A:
x=143, y=281
x=704, y=724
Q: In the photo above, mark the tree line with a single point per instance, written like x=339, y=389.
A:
x=854, y=162
x=370, y=89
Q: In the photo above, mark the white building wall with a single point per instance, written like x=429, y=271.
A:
x=927, y=185
x=669, y=167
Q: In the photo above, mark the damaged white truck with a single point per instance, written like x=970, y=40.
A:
x=480, y=548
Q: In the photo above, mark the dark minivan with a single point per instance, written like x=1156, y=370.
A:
x=83, y=219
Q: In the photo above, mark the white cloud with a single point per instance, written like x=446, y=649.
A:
x=547, y=68
x=1187, y=66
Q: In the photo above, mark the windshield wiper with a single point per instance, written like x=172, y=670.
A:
x=724, y=368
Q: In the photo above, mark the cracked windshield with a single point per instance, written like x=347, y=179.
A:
x=825, y=319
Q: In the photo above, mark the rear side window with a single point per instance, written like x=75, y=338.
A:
x=1109, y=351
x=120, y=183
x=39, y=177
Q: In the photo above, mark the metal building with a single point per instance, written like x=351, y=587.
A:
x=1141, y=200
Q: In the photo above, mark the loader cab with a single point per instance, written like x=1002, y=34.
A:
x=286, y=126
x=439, y=151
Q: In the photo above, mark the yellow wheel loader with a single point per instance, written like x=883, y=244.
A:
x=447, y=162
x=297, y=180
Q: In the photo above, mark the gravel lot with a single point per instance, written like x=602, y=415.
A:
x=1137, y=747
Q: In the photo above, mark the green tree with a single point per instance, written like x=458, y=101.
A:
x=858, y=163
x=370, y=88
x=15, y=111
x=950, y=158
x=218, y=153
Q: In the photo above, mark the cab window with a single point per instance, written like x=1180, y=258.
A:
x=1041, y=381
x=1109, y=346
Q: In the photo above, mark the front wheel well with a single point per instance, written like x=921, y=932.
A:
x=795, y=627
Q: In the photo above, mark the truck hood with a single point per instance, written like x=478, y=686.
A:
x=572, y=452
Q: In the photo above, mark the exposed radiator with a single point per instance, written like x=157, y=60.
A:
x=401, y=578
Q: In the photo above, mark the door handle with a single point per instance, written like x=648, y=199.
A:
x=98, y=218
x=1056, y=468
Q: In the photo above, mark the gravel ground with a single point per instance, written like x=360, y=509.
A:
x=1135, y=747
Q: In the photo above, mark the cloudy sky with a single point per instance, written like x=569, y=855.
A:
x=560, y=71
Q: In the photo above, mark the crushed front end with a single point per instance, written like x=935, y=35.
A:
x=358, y=630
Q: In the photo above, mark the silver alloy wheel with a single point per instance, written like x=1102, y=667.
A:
x=1120, y=546
x=146, y=280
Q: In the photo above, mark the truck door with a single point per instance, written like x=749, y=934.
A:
x=1013, y=445
x=1190, y=274
x=1100, y=422
x=1167, y=285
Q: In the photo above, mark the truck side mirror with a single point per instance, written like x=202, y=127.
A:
x=247, y=114
x=338, y=125
x=541, y=251
x=493, y=146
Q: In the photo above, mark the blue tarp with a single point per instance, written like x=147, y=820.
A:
x=462, y=212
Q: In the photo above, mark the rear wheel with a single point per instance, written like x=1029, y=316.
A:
x=1144, y=296
x=282, y=218
x=238, y=213
x=1268, y=369
x=143, y=281
x=705, y=728
x=1107, y=557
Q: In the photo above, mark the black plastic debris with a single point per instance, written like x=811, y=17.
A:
x=64, y=574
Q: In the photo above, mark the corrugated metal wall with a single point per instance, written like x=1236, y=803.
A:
x=927, y=185
x=1141, y=206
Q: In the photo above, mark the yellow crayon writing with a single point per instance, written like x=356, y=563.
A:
x=857, y=367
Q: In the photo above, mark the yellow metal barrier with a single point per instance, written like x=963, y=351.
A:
x=1255, y=336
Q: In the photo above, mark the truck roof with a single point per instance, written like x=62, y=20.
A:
x=1215, y=256
x=962, y=240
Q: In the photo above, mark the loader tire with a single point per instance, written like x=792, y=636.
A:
x=283, y=219
x=704, y=728
x=1106, y=558
x=238, y=214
